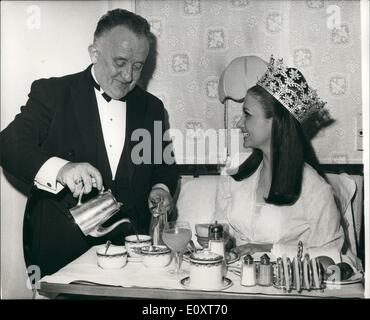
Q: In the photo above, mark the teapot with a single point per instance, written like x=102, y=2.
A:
x=90, y=216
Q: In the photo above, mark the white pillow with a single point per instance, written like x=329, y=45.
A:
x=344, y=191
x=196, y=201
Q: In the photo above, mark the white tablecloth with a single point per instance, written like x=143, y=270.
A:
x=135, y=274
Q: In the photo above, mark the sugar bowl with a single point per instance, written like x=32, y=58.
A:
x=206, y=270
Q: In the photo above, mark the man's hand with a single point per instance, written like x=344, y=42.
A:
x=160, y=201
x=80, y=177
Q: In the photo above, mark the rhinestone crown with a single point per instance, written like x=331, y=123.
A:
x=290, y=88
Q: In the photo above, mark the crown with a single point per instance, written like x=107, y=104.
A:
x=290, y=88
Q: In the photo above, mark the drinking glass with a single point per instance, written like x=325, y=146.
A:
x=176, y=235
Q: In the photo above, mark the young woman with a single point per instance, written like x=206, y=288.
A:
x=279, y=194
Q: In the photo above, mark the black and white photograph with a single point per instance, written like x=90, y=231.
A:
x=185, y=150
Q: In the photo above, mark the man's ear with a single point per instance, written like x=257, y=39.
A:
x=93, y=52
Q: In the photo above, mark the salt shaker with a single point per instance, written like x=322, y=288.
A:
x=265, y=271
x=248, y=276
x=216, y=239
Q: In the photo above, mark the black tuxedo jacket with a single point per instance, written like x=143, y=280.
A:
x=61, y=119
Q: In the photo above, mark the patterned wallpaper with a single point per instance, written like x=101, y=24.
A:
x=196, y=39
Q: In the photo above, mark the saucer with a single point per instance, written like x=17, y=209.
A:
x=231, y=256
x=357, y=277
x=226, y=283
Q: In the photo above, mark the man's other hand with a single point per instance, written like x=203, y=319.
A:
x=80, y=177
x=160, y=201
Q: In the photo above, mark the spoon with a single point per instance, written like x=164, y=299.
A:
x=107, y=245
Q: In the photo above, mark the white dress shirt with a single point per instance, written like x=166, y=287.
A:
x=113, y=123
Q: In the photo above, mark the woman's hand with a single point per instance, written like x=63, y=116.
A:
x=252, y=248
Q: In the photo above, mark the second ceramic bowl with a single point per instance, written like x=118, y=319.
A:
x=156, y=256
x=134, y=245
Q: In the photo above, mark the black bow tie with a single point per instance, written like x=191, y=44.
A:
x=105, y=96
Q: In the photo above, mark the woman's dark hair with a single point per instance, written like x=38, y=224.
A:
x=121, y=17
x=290, y=149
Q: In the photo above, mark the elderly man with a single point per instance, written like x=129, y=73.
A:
x=75, y=136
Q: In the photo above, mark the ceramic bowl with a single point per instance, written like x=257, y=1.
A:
x=134, y=246
x=156, y=256
x=114, y=258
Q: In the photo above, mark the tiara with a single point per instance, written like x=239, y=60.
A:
x=289, y=87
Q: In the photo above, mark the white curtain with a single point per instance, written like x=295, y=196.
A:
x=198, y=38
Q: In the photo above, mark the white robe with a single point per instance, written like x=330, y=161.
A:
x=314, y=218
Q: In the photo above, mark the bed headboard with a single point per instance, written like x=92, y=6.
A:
x=197, y=170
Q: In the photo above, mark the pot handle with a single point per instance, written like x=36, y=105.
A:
x=79, y=203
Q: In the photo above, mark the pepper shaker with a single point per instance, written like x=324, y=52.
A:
x=248, y=276
x=215, y=231
x=265, y=271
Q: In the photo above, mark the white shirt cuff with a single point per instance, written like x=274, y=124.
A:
x=161, y=186
x=46, y=177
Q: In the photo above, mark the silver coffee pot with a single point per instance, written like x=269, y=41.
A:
x=90, y=216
